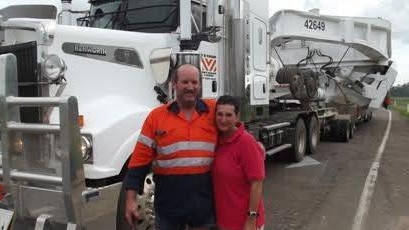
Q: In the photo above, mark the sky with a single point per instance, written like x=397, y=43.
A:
x=396, y=11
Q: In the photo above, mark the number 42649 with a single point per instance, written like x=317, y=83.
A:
x=314, y=24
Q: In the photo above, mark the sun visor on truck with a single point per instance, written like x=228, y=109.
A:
x=29, y=11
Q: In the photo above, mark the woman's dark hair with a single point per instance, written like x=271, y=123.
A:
x=229, y=100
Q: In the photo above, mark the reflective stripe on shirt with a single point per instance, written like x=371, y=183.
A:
x=146, y=140
x=184, y=162
x=186, y=145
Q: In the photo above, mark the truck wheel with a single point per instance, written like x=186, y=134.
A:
x=313, y=134
x=345, y=130
x=284, y=75
x=145, y=208
x=299, y=142
x=351, y=130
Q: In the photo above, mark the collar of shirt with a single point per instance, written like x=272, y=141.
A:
x=201, y=107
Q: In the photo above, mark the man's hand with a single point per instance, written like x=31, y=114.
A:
x=131, y=208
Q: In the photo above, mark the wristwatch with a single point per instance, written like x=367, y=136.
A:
x=252, y=214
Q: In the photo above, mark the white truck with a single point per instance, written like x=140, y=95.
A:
x=74, y=96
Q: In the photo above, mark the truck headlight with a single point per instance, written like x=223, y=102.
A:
x=86, y=147
x=54, y=68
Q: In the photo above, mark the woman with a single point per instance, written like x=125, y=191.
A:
x=238, y=171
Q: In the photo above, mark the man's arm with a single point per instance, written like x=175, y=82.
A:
x=134, y=182
x=131, y=207
x=138, y=168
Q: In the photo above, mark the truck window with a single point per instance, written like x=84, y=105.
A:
x=154, y=16
x=151, y=16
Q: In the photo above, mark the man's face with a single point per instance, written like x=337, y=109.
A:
x=187, y=85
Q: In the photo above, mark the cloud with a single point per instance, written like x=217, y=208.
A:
x=395, y=11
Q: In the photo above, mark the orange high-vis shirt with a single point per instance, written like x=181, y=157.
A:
x=174, y=144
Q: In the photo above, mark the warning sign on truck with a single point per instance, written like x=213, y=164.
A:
x=208, y=65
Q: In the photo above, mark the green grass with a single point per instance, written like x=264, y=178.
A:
x=400, y=104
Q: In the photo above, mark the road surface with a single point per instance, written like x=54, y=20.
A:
x=344, y=186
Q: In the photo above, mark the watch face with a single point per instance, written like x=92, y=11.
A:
x=253, y=214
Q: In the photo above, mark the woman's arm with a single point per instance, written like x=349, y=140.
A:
x=256, y=192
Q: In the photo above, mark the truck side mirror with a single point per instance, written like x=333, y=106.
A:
x=160, y=64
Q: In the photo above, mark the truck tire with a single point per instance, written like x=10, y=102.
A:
x=146, y=222
x=313, y=134
x=284, y=75
x=351, y=130
x=345, y=130
x=299, y=141
x=340, y=130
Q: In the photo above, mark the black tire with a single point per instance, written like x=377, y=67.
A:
x=352, y=130
x=345, y=130
x=340, y=130
x=313, y=134
x=297, y=86
x=294, y=77
x=299, y=141
x=284, y=75
x=334, y=129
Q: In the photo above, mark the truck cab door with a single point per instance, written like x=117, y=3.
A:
x=257, y=61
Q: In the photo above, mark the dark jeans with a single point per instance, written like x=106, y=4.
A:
x=172, y=223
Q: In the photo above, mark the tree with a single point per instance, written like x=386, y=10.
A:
x=400, y=90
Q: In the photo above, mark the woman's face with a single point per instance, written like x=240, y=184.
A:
x=226, y=119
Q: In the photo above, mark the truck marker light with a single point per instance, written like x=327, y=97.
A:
x=80, y=121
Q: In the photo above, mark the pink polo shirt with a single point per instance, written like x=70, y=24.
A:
x=238, y=161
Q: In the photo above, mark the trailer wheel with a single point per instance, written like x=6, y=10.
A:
x=299, y=141
x=313, y=134
x=351, y=130
x=145, y=208
x=345, y=130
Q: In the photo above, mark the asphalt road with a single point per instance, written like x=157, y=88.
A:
x=340, y=187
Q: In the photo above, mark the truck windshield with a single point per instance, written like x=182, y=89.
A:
x=154, y=16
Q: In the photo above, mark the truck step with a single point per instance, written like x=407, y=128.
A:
x=277, y=149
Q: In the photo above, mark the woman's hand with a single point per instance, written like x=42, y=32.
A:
x=250, y=224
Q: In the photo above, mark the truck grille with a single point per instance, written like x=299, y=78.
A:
x=26, y=54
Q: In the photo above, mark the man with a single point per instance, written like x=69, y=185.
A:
x=179, y=140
